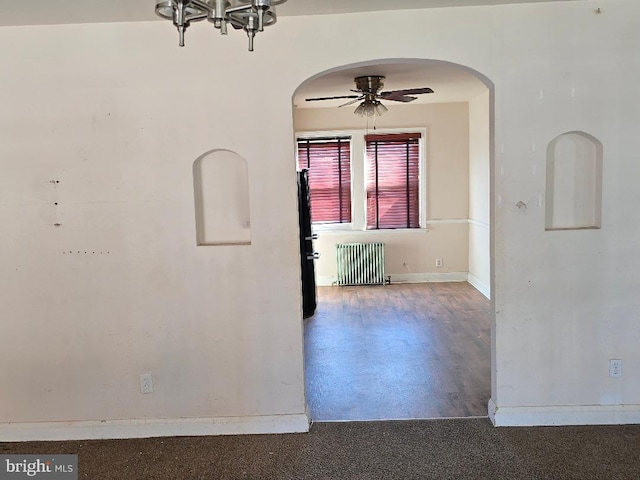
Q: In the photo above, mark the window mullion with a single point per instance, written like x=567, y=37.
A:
x=340, y=181
x=377, y=187
x=407, y=185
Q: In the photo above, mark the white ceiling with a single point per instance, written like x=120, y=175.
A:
x=41, y=12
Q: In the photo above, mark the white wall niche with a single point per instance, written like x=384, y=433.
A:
x=221, y=189
x=574, y=182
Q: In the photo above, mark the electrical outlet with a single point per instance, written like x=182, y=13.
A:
x=615, y=368
x=146, y=383
x=438, y=263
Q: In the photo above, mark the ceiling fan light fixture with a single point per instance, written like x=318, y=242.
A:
x=360, y=109
x=380, y=109
x=370, y=108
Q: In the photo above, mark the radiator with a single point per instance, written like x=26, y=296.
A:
x=360, y=263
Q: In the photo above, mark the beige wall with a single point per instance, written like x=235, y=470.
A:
x=411, y=256
x=118, y=114
x=479, y=220
x=120, y=287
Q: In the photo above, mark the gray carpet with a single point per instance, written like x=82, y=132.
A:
x=413, y=449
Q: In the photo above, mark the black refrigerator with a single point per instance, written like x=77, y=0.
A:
x=307, y=254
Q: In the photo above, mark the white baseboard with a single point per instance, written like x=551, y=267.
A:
x=406, y=278
x=429, y=277
x=145, y=428
x=479, y=285
x=563, y=415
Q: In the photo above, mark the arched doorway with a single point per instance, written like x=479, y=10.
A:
x=450, y=248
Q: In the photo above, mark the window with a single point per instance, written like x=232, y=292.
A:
x=328, y=161
x=363, y=181
x=393, y=180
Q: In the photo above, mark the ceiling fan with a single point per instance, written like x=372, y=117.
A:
x=368, y=90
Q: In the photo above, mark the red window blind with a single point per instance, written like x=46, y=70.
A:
x=328, y=161
x=393, y=180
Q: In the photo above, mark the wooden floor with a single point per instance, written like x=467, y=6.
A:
x=398, y=352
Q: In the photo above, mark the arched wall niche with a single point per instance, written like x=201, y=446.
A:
x=221, y=189
x=574, y=182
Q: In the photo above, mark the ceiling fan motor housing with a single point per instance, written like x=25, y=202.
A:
x=370, y=83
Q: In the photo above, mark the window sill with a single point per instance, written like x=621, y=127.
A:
x=333, y=230
x=332, y=227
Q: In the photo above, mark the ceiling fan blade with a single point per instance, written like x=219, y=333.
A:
x=352, y=102
x=398, y=98
x=330, y=98
x=408, y=91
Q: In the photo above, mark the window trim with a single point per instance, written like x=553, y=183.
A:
x=410, y=143
x=323, y=140
x=358, y=183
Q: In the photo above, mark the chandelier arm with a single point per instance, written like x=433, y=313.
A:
x=273, y=3
x=239, y=8
x=237, y=22
x=196, y=17
x=202, y=5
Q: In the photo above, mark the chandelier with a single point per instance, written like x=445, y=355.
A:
x=248, y=15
